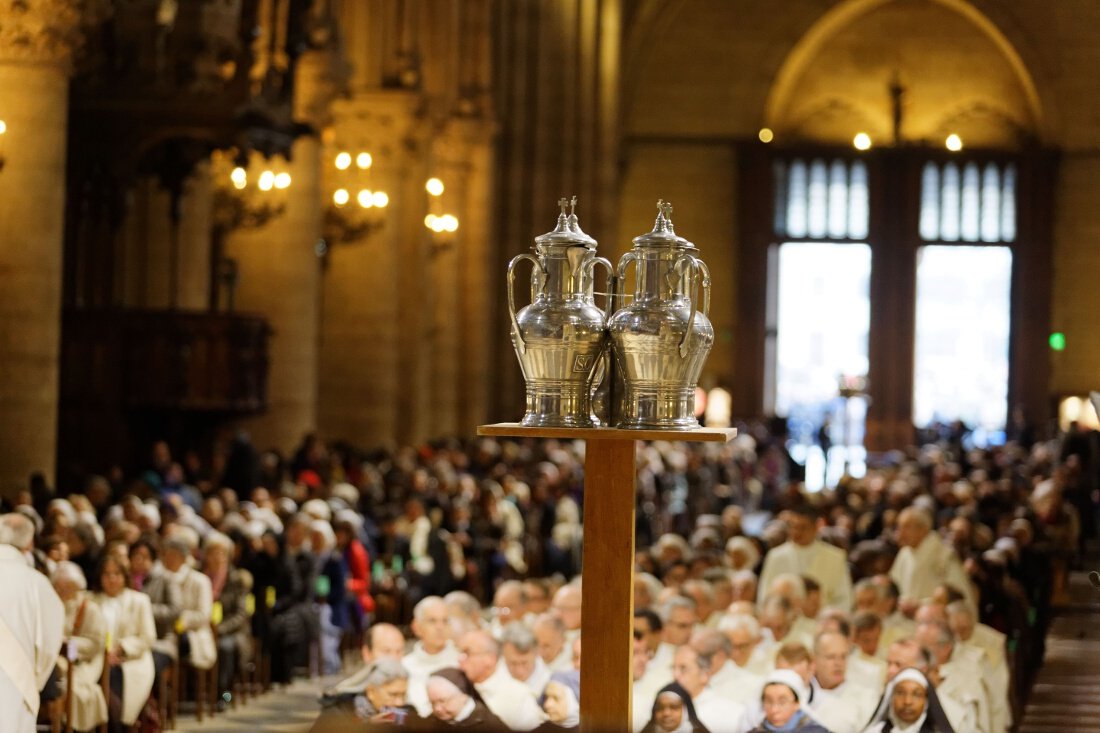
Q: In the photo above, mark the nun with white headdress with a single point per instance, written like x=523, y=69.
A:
x=910, y=705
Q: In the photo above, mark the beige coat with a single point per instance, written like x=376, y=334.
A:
x=198, y=603
x=135, y=633
x=89, y=706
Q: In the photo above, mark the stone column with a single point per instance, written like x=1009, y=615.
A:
x=36, y=41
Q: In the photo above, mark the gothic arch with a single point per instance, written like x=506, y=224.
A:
x=1011, y=46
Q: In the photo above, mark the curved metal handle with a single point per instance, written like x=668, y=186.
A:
x=608, y=283
x=620, y=273
x=520, y=343
x=697, y=273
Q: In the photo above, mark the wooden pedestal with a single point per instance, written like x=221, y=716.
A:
x=607, y=600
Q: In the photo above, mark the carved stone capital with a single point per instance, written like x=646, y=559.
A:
x=41, y=31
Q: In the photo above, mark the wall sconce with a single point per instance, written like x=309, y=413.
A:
x=355, y=208
x=242, y=200
x=3, y=129
x=441, y=224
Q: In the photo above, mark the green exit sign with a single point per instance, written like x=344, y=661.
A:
x=1058, y=341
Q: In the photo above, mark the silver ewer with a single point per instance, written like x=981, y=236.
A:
x=561, y=337
x=662, y=338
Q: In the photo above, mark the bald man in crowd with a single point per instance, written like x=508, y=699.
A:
x=383, y=641
x=924, y=561
x=840, y=704
x=567, y=606
x=432, y=651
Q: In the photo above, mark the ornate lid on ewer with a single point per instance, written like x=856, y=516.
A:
x=568, y=231
x=663, y=234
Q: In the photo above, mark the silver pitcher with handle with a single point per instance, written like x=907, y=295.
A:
x=561, y=337
x=662, y=338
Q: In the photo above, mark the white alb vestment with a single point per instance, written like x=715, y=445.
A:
x=510, y=700
x=717, y=714
x=847, y=708
x=736, y=684
x=420, y=665
x=917, y=571
x=821, y=561
x=32, y=621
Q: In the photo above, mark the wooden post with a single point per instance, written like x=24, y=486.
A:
x=607, y=591
x=607, y=598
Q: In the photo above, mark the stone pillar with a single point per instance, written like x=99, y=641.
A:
x=36, y=41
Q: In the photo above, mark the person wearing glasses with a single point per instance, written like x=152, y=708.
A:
x=782, y=698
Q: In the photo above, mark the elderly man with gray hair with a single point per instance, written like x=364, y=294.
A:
x=519, y=648
x=32, y=621
x=433, y=650
x=85, y=632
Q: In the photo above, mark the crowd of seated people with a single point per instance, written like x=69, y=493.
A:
x=914, y=598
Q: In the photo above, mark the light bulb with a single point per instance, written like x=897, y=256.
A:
x=954, y=143
x=381, y=199
x=429, y=221
x=765, y=135
x=862, y=141
x=364, y=160
x=341, y=197
x=343, y=160
x=267, y=180
x=434, y=186
x=3, y=127
x=450, y=223
x=239, y=177
x=282, y=180
x=365, y=198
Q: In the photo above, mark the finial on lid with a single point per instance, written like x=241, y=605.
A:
x=568, y=230
x=664, y=218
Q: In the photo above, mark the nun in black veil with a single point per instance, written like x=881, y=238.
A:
x=910, y=705
x=673, y=712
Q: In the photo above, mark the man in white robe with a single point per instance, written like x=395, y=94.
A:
x=692, y=671
x=804, y=554
x=924, y=561
x=746, y=649
x=960, y=678
x=507, y=698
x=519, y=651
x=978, y=637
x=840, y=704
x=32, y=623
x=550, y=638
x=432, y=651
x=730, y=681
